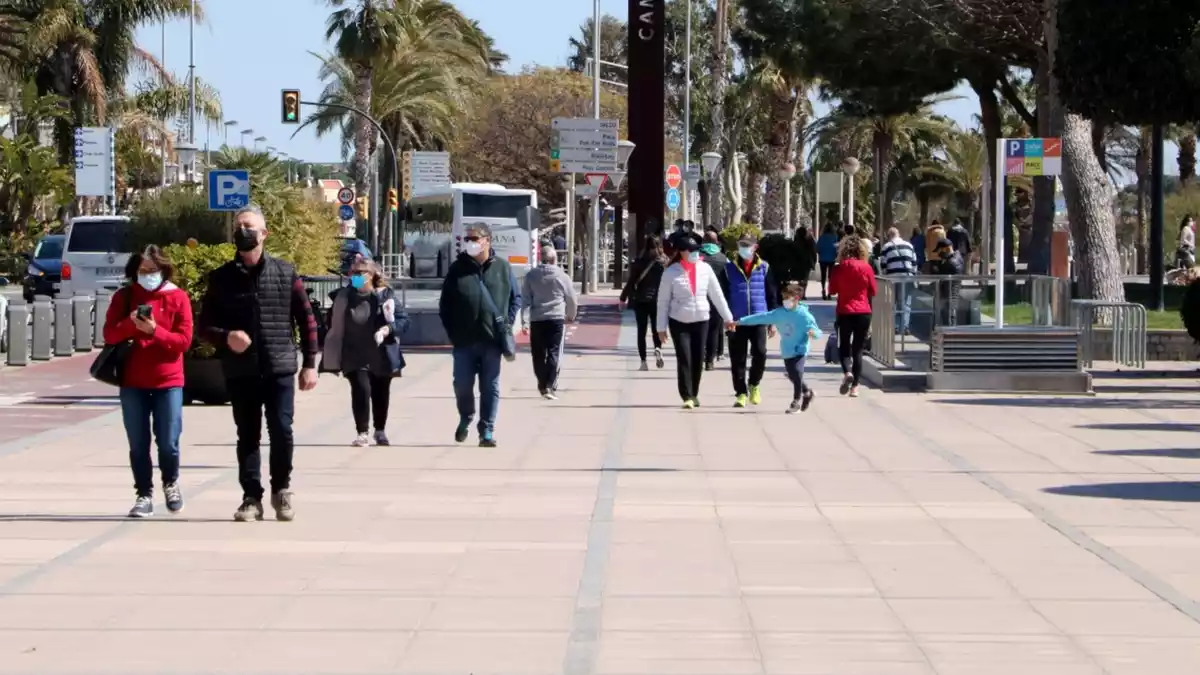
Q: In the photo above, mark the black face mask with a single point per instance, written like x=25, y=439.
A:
x=245, y=239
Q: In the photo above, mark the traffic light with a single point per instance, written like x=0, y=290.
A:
x=393, y=201
x=291, y=106
x=362, y=205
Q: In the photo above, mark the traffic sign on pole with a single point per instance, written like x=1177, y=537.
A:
x=346, y=195
x=583, y=145
x=346, y=212
x=674, y=177
x=673, y=199
x=596, y=180
x=228, y=190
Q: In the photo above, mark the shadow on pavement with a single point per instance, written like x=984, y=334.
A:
x=1142, y=426
x=1179, y=453
x=1166, y=491
x=68, y=518
x=1056, y=402
x=1143, y=389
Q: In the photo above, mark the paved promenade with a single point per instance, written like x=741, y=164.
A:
x=612, y=533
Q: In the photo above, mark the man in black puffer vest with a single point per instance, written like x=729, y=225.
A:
x=253, y=307
x=471, y=323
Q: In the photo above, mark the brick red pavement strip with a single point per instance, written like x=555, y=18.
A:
x=50, y=395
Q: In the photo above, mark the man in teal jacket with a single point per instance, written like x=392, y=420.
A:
x=472, y=328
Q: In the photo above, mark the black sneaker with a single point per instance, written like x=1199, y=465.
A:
x=847, y=381
x=282, y=503
x=794, y=408
x=174, y=497
x=251, y=509
x=464, y=428
x=806, y=400
x=487, y=440
x=709, y=366
x=142, y=508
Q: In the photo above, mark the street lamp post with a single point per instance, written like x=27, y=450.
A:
x=709, y=162
x=228, y=124
x=593, y=277
x=245, y=133
x=787, y=172
x=187, y=155
x=192, y=88
x=850, y=167
x=616, y=179
x=260, y=139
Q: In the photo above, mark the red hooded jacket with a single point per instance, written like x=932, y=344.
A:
x=853, y=282
x=156, y=361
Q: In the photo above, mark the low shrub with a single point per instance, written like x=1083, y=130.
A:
x=192, y=266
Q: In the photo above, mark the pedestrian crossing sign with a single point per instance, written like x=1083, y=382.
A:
x=1032, y=156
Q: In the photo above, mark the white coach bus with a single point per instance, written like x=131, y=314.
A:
x=436, y=224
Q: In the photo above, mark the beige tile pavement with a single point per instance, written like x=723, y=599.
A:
x=613, y=533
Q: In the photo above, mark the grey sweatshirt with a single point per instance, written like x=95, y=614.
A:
x=548, y=295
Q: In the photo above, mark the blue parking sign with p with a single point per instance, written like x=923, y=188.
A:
x=1016, y=148
x=228, y=190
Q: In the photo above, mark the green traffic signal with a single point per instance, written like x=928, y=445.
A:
x=291, y=106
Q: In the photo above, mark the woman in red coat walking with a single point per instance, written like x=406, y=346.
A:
x=155, y=317
x=853, y=282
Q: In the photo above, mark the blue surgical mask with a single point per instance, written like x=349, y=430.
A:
x=358, y=280
x=151, y=282
x=747, y=252
x=790, y=304
x=694, y=257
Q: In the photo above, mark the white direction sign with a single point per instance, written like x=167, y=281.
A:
x=93, y=162
x=425, y=172
x=583, y=145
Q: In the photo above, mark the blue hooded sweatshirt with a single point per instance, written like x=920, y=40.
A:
x=793, y=325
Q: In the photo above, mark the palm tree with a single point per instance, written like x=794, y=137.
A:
x=959, y=171
x=886, y=137
x=614, y=47
x=718, y=72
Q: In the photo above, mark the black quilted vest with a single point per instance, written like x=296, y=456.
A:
x=259, y=302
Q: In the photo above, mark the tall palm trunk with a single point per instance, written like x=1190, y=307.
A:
x=1187, y=158
x=1142, y=169
x=363, y=137
x=881, y=143
x=718, y=73
x=755, y=185
x=778, y=147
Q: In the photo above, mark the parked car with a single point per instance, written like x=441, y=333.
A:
x=44, y=273
x=94, y=256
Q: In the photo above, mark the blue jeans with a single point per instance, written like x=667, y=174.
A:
x=481, y=359
x=165, y=408
x=904, y=296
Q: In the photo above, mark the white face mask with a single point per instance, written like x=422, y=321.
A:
x=473, y=248
x=151, y=281
x=790, y=304
x=694, y=257
x=747, y=252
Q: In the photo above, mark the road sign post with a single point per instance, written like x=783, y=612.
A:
x=673, y=200
x=346, y=195
x=228, y=190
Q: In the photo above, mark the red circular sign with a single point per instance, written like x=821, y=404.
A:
x=674, y=177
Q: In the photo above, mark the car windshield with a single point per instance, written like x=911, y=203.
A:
x=97, y=236
x=49, y=249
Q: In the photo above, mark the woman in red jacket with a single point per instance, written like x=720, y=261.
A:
x=155, y=317
x=853, y=282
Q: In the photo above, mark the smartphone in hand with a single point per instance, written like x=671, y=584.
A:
x=143, y=312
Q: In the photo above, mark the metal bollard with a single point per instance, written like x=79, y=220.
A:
x=64, y=342
x=103, y=300
x=81, y=309
x=18, y=334
x=43, y=326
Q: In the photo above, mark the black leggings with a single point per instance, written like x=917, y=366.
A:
x=853, y=330
x=826, y=267
x=369, y=394
x=647, y=316
x=714, y=345
x=689, y=355
x=795, y=372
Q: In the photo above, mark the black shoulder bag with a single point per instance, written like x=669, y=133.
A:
x=504, y=336
x=109, y=366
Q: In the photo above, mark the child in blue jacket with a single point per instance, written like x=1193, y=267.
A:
x=796, y=327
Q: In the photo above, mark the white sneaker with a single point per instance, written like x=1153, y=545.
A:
x=644, y=367
x=658, y=359
x=361, y=441
x=549, y=395
x=854, y=391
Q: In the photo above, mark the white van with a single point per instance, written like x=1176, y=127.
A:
x=94, y=255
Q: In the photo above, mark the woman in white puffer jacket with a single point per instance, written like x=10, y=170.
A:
x=688, y=286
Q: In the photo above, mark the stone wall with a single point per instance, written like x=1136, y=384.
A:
x=1161, y=345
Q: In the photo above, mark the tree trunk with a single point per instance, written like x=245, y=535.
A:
x=363, y=133
x=923, y=201
x=882, y=148
x=1089, y=200
x=1187, y=158
x=1142, y=169
x=1099, y=132
x=892, y=186
x=1038, y=255
x=733, y=176
x=778, y=144
x=755, y=186
x=718, y=73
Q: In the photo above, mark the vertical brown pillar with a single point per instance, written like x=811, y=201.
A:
x=647, y=110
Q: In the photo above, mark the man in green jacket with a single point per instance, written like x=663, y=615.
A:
x=472, y=328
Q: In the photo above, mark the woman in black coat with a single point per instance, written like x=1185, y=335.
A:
x=641, y=293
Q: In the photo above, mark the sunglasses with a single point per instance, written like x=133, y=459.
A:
x=474, y=238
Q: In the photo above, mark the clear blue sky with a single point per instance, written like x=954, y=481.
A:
x=251, y=49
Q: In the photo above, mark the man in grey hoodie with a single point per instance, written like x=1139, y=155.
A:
x=550, y=302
